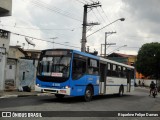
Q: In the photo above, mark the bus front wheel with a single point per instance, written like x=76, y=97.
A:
x=88, y=94
x=59, y=96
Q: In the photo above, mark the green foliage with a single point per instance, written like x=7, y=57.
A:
x=148, y=59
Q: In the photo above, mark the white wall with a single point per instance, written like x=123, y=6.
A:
x=27, y=67
x=4, y=43
x=11, y=72
x=146, y=82
x=4, y=5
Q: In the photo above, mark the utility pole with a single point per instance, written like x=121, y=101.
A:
x=101, y=49
x=88, y=49
x=85, y=24
x=105, y=45
x=53, y=40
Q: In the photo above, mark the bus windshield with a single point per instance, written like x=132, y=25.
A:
x=54, y=66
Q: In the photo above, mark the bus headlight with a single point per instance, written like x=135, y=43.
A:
x=38, y=85
x=67, y=87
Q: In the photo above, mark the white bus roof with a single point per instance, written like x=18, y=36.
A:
x=114, y=62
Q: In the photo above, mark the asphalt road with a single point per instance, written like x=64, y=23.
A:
x=135, y=101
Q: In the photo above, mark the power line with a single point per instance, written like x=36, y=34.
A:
x=91, y=0
x=125, y=47
x=122, y=19
x=43, y=40
x=95, y=14
x=80, y=1
x=105, y=13
x=39, y=28
x=90, y=28
x=107, y=17
x=100, y=15
x=56, y=10
x=47, y=5
x=86, y=1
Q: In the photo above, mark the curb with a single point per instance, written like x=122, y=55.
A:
x=8, y=96
x=14, y=96
x=26, y=95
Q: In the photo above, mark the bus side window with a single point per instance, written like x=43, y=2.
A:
x=124, y=72
x=93, y=67
x=78, y=68
x=118, y=71
x=132, y=74
x=114, y=72
x=109, y=72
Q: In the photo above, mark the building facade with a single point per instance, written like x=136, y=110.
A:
x=12, y=67
x=123, y=58
x=21, y=68
x=126, y=59
x=5, y=10
x=33, y=54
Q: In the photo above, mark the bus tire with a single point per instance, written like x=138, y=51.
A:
x=88, y=94
x=59, y=96
x=121, y=91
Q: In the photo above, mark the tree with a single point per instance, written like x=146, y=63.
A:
x=148, y=60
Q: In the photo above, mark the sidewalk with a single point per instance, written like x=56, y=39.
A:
x=16, y=93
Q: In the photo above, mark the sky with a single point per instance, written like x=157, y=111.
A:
x=60, y=22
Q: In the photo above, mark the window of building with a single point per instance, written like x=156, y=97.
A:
x=23, y=77
x=10, y=67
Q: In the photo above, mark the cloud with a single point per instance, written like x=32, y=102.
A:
x=56, y=19
x=146, y=10
x=65, y=18
x=145, y=13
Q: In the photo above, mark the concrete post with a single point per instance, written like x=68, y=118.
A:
x=4, y=48
x=2, y=70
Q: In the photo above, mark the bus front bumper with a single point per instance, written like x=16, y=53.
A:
x=65, y=91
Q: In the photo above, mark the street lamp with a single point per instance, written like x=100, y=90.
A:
x=121, y=19
x=83, y=44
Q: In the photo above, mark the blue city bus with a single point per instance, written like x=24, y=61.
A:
x=74, y=73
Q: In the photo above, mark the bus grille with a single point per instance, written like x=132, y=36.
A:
x=48, y=90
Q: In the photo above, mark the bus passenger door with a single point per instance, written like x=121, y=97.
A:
x=102, y=84
x=128, y=80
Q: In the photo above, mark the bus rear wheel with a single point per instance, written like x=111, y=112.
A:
x=59, y=96
x=88, y=94
x=121, y=90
